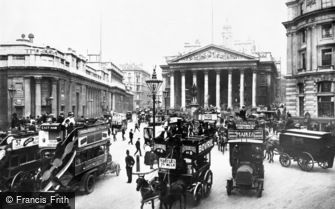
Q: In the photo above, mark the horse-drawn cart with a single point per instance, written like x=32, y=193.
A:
x=183, y=166
x=306, y=147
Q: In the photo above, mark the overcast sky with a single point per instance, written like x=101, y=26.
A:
x=143, y=31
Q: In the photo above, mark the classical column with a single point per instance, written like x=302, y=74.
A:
x=113, y=102
x=54, y=102
x=194, y=78
x=27, y=97
x=254, y=85
x=314, y=47
x=230, y=89
x=242, y=87
x=308, y=49
x=206, y=89
x=38, y=101
x=289, y=54
x=217, y=99
x=183, y=98
x=172, y=90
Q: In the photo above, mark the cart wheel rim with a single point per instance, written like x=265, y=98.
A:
x=306, y=161
x=285, y=160
x=198, y=194
x=90, y=184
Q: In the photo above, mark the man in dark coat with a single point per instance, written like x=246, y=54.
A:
x=243, y=113
x=131, y=136
x=129, y=166
x=138, y=147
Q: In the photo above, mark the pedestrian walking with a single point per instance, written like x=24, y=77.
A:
x=138, y=147
x=129, y=166
x=123, y=133
x=136, y=127
x=114, y=133
x=131, y=136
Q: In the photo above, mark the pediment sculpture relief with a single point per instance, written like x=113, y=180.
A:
x=212, y=55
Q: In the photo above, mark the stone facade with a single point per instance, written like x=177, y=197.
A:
x=47, y=80
x=310, y=58
x=224, y=78
x=134, y=79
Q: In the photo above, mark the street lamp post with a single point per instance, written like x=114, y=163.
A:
x=154, y=85
x=11, y=92
x=165, y=94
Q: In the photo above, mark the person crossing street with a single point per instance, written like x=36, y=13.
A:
x=123, y=133
x=138, y=147
x=131, y=136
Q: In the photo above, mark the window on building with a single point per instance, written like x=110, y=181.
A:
x=325, y=87
x=326, y=3
x=19, y=57
x=326, y=106
x=301, y=88
x=303, y=36
x=138, y=79
x=326, y=57
x=301, y=106
x=262, y=80
x=138, y=88
x=3, y=57
x=327, y=31
x=303, y=60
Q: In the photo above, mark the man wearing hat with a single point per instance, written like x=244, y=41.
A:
x=243, y=113
x=70, y=118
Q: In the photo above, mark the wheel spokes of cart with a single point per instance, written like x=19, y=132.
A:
x=285, y=160
x=208, y=181
x=306, y=161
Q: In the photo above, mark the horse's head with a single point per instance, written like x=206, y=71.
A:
x=141, y=182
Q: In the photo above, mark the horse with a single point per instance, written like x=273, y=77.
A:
x=169, y=195
x=148, y=192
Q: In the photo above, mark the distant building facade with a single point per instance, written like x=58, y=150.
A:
x=310, y=59
x=134, y=79
x=35, y=80
x=224, y=78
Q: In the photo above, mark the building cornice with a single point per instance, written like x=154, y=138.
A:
x=329, y=10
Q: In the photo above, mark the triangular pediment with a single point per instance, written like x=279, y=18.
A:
x=212, y=53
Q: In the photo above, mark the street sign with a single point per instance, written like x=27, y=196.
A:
x=167, y=163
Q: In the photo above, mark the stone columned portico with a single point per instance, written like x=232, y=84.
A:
x=224, y=78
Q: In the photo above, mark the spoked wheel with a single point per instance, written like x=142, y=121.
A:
x=306, y=161
x=285, y=160
x=197, y=194
x=260, y=189
x=229, y=187
x=323, y=165
x=208, y=181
